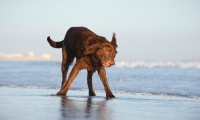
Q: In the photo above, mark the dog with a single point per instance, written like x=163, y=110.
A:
x=92, y=52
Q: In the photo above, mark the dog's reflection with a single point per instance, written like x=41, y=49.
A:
x=84, y=108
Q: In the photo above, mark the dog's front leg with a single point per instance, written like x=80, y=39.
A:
x=90, y=85
x=102, y=75
x=71, y=78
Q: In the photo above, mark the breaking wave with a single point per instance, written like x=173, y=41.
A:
x=151, y=64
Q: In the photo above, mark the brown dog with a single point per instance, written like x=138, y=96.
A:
x=92, y=52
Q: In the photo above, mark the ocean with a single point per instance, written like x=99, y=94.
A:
x=162, y=78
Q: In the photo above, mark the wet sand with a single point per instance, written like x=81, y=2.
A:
x=38, y=104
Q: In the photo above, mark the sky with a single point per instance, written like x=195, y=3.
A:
x=145, y=29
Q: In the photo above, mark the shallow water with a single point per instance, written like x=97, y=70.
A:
x=37, y=104
x=168, y=78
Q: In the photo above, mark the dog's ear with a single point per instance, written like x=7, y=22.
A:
x=105, y=44
x=92, y=48
x=114, y=42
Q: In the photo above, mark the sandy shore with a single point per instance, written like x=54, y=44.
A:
x=37, y=104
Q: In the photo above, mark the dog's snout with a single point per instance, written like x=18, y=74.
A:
x=112, y=62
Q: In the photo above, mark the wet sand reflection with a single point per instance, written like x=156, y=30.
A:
x=85, y=107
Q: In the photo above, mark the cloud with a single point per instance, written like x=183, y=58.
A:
x=27, y=56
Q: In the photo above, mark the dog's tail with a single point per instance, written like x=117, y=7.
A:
x=54, y=44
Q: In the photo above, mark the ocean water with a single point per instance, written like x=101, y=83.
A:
x=167, y=78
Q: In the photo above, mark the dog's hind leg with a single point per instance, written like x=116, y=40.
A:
x=71, y=78
x=67, y=59
x=64, y=66
x=89, y=82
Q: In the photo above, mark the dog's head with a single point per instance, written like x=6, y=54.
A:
x=105, y=52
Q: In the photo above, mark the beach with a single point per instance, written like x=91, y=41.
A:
x=151, y=90
x=38, y=104
x=143, y=51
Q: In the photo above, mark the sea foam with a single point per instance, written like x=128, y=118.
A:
x=151, y=64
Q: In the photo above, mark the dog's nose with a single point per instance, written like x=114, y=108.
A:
x=112, y=62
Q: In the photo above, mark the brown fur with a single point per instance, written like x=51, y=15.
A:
x=92, y=52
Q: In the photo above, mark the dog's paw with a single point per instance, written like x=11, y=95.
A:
x=92, y=94
x=109, y=96
x=61, y=94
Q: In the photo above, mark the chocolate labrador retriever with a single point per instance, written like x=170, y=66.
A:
x=92, y=52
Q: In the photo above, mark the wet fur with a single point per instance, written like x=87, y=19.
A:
x=92, y=52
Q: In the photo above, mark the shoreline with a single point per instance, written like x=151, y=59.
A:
x=32, y=104
x=114, y=92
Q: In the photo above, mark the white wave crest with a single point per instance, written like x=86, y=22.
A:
x=152, y=64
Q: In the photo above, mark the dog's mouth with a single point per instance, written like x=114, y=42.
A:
x=108, y=63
